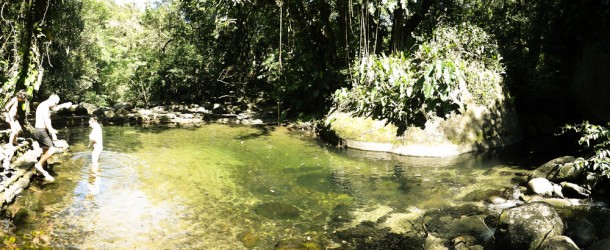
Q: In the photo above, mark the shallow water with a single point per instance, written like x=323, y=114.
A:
x=233, y=187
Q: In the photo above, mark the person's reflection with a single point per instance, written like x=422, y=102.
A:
x=93, y=181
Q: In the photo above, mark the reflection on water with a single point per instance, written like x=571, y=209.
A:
x=109, y=210
x=233, y=187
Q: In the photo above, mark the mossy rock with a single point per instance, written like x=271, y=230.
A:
x=476, y=128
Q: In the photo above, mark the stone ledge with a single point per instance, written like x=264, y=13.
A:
x=476, y=129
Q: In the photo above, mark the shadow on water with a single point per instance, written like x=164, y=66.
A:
x=262, y=130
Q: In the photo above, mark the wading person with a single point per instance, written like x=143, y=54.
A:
x=45, y=134
x=11, y=116
x=95, y=139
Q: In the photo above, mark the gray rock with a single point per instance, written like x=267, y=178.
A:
x=567, y=172
x=101, y=112
x=559, y=242
x=79, y=110
x=109, y=113
x=550, y=165
x=527, y=226
x=557, y=190
x=123, y=105
x=582, y=232
x=540, y=186
x=572, y=190
x=559, y=169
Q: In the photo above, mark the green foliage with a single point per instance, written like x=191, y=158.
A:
x=596, y=138
x=472, y=54
x=456, y=66
x=95, y=99
x=198, y=51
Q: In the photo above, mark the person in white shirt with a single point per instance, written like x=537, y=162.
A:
x=95, y=139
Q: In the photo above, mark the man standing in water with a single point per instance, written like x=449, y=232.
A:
x=44, y=131
x=95, y=139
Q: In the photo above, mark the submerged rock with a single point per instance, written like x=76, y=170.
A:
x=277, y=210
x=248, y=239
x=368, y=236
x=480, y=194
x=21, y=216
x=316, y=181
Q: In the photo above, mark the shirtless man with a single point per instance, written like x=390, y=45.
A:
x=45, y=134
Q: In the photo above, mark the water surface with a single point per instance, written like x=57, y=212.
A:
x=234, y=187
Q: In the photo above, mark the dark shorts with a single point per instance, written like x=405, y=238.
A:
x=42, y=137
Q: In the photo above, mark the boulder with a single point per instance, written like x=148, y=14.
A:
x=540, y=186
x=123, y=105
x=80, y=110
x=63, y=112
x=559, y=169
x=101, y=112
x=559, y=242
x=109, y=114
x=572, y=190
x=582, y=232
x=90, y=107
x=527, y=226
x=121, y=112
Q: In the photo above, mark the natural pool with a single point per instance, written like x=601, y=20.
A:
x=237, y=187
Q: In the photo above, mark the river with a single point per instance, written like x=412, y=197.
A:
x=237, y=187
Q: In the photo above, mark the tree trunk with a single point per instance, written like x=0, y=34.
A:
x=26, y=41
x=397, y=30
x=402, y=32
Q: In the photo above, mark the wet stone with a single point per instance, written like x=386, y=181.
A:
x=341, y=213
x=50, y=198
x=277, y=210
x=367, y=236
x=248, y=239
x=21, y=216
x=480, y=195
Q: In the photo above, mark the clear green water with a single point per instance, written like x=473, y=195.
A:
x=232, y=187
